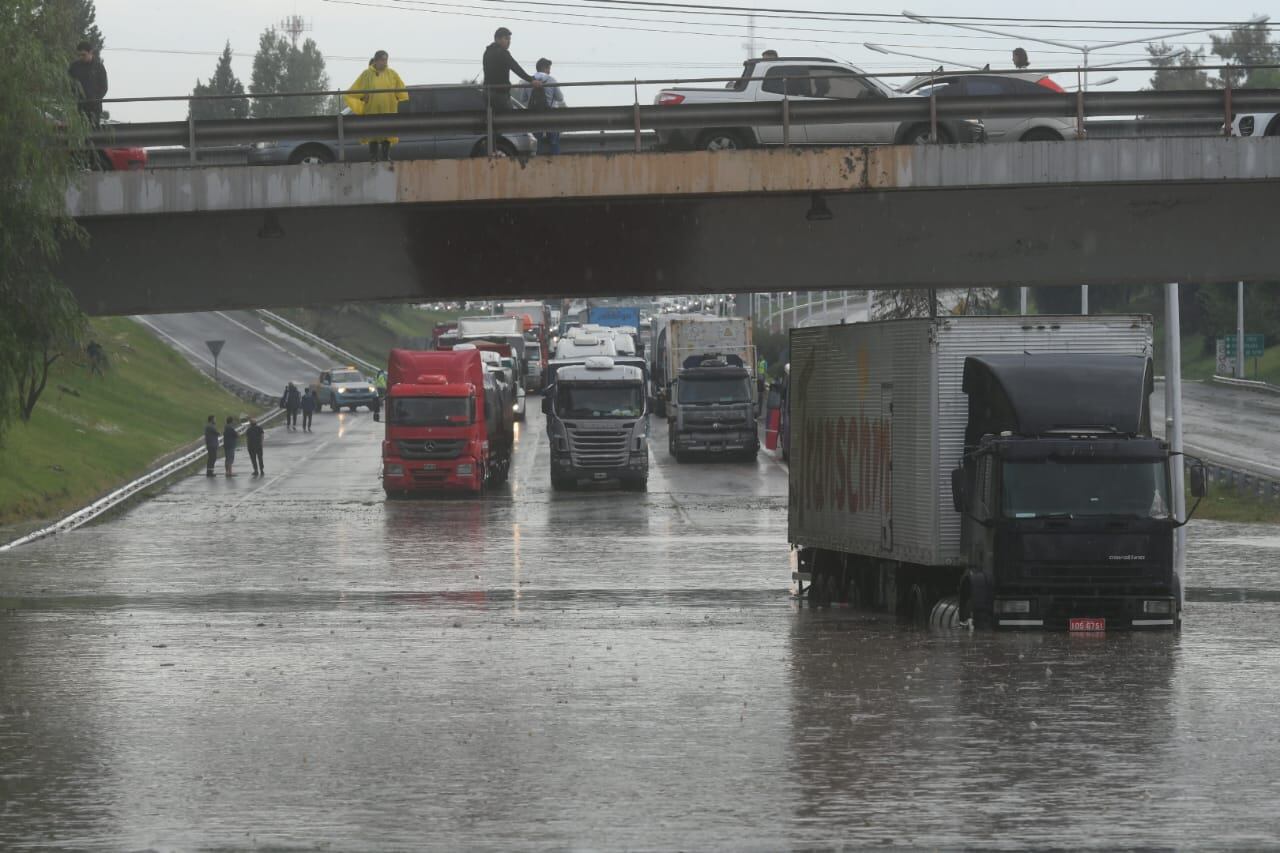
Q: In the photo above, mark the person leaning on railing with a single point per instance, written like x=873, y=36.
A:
x=371, y=103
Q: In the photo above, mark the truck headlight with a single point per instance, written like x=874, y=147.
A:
x=464, y=470
x=1162, y=607
x=395, y=471
x=342, y=390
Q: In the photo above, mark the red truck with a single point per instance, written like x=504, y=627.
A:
x=446, y=428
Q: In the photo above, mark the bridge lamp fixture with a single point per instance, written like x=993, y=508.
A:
x=271, y=228
x=818, y=210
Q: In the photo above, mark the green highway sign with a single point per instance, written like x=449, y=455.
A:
x=1254, y=345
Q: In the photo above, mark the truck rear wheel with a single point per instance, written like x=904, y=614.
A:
x=560, y=483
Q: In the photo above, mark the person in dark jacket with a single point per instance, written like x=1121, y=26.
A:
x=91, y=76
x=210, y=445
x=229, y=439
x=291, y=401
x=498, y=67
x=1020, y=58
x=308, y=409
x=253, y=438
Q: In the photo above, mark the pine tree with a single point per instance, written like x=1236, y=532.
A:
x=1248, y=45
x=281, y=66
x=223, y=82
x=1177, y=70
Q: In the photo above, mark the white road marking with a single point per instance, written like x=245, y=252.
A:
x=198, y=355
x=274, y=344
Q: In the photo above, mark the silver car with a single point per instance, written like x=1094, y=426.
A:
x=412, y=146
x=1046, y=128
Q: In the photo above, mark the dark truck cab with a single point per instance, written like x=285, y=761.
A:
x=1068, y=517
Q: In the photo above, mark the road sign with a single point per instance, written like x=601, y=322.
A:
x=1254, y=345
x=215, y=347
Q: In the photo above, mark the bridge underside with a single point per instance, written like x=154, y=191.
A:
x=1039, y=214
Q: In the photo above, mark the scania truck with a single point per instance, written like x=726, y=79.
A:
x=598, y=424
x=1000, y=467
x=448, y=425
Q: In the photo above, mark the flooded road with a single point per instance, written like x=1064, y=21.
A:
x=294, y=663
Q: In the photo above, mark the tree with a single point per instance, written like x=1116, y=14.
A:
x=281, y=66
x=1177, y=70
x=223, y=82
x=84, y=24
x=37, y=165
x=1247, y=45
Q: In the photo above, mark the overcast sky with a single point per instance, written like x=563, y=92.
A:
x=160, y=47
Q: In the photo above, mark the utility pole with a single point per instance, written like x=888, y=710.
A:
x=1240, y=330
x=1173, y=416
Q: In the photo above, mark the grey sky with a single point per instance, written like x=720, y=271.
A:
x=160, y=47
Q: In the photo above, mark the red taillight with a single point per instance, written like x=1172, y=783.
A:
x=1048, y=83
x=667, y=99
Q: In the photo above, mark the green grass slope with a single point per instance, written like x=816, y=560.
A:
x=90, y=434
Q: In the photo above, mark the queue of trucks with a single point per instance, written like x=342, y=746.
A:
x=1000, y=469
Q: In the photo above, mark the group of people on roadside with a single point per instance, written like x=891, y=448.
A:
x=294, y=401
x=379, y=90
x=253, y=437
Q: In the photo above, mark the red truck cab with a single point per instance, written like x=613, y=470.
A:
x=437, y=436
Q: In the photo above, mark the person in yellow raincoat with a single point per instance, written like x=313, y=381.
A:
x=377, y=76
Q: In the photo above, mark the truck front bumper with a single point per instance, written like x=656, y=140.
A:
x=400, y=476
x=1088, y=613
x=636, y=468
x=717, y=442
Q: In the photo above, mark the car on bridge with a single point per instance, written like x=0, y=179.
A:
x=801, y=80
x=1256, y=124
x=1047, y=128
x=345, y=386
x=439, y=145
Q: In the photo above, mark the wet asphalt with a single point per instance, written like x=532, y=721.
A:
x=292, y=662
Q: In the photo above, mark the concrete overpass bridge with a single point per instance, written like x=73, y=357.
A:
x=1097, y=213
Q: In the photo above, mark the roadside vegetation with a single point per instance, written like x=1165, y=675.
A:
x=1225, y=504
x=104, y=420
x=370, y=330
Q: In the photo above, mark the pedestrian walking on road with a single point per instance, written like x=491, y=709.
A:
x=253, y=439
x=308, y=409
x=290, y=401
x=229, y=439
x=210, y=445
x=499, y=64
x=550, y=98
x=375, y=103
x=91, y=78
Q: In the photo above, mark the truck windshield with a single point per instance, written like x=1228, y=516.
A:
x=429, y=411
x=1056, y=489
x=696, y=391
x=600, y=401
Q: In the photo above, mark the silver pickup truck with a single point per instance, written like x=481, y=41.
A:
x=802, y=79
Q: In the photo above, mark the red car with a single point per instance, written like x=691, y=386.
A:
x=123, y=159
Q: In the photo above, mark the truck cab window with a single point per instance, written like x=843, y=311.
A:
x=795, y=84
x=844, y=87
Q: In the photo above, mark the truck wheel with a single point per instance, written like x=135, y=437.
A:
x=945, y=615
x=749, y=456
x=638, y=484
x=559, y=483
x=722, y=140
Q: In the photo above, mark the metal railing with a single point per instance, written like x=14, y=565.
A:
x=638, y=118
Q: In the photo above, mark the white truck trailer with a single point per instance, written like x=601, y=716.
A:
x=1006, y=461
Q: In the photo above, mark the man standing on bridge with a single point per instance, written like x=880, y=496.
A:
x=210, y=445
x=498, y=65
x=91, y=78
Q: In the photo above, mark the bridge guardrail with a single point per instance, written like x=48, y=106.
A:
x=638, y=118
x=313, y=338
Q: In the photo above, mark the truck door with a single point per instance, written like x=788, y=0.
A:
x=885, y=450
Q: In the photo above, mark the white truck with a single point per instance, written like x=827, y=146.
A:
x=686, y=340
x=598, y=424
x=1007, y=462
x=802, y=80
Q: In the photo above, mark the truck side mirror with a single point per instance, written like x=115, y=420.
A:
x=1199, y=482
x=959, y=499
x=546, y=405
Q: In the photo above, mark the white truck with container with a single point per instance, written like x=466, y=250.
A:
x=682, y=340
x=598, y=424
x=994, y=470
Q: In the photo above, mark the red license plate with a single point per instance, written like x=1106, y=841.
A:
x=1087, y=623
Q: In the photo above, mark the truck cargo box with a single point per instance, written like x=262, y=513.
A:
x=878, y=416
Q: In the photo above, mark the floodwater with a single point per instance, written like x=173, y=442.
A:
x=293, y=663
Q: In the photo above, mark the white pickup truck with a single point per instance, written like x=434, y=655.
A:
x=802, y=79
